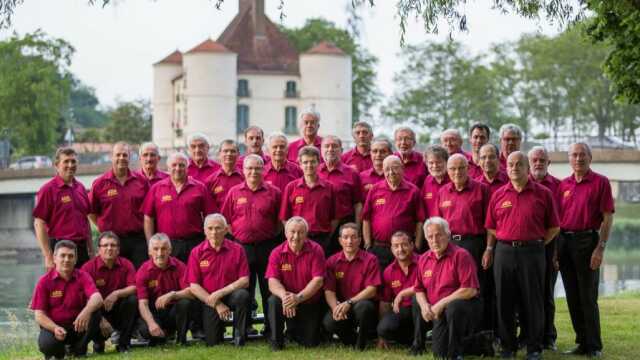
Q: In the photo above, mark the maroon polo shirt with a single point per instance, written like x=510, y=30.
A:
x=240, y=162
x=213, y=269
x=157, y=176
x=295, y=146
x=64, y=208
x=429, y=194
x=280, y=178
x=521, y=216
x=203, y=172
x=346, y=186
x=117, y=206
x=357, y=161
x=439, y=278
x=121, y=275
x=474, y=169
x=347, y=278
x=368, y=178
x=464, y=210
x=392, y=210
x=552, y=183
x=499, y=181
x=394, y=280
x=181, y=215
x=415, y=170
x=503, y=162
x=63, y=300
x=253, y=215
x=317, y=205
x=153, y=282
x=219, y=184
x=582, y=204
x=296, y=271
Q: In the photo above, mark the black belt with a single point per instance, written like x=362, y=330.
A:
x=317, y=234
x=458, y=238
x=517, y=244
x=582, y=233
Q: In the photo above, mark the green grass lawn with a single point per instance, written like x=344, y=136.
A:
x=620, y=328
x=627, y=210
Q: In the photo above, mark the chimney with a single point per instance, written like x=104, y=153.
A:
x=259, y=18
x=243, y=5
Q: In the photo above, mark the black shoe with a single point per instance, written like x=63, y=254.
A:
x=197, y=334
x=578, y=350
x=238, y=341
x=595, y=354
x=98, y=347
x=122, y=349
x=507, y=355
x=416, y=350
x=536, y=355
x=276, y=346
x=550, y=346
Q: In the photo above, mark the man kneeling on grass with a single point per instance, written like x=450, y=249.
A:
x=163, y=296
x=66, y=304
x=218, y=274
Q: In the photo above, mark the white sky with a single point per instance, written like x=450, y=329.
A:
x=116, y=46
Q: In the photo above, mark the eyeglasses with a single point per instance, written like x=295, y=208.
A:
x=108, y=245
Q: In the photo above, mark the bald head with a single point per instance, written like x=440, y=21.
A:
x=457, y=169
x=393, y=170
x=517, y=166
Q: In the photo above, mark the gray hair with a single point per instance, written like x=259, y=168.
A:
x=253, y=127
x=177, y=155
x=536, y=149
x=384, y=140
x=148, y=144
x=404, y=128
x=68, y=244
x=391, y=158
x=277, y=135
x=160, y=237
x=510, y=128
x=437, y=220
x=309, y=111
x=297, y=220
x=309, y=150
x=216, y=216
x=585, y=145
x=252, y=157
x=363, y=124
x=438, y=151
x=332, y=137
x=455, y=132
x=493, y=146
x=198, y=136
x=228, y=142
x=458, y=156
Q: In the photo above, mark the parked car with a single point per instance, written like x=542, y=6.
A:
x=32, y=162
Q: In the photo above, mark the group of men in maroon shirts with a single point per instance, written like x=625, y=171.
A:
x=334, y=241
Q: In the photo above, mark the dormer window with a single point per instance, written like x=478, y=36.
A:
x=243, y=88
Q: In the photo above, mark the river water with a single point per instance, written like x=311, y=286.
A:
x=17, y=282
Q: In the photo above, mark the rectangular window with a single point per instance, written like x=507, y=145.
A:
x=291, y=91
x=290, y=116
x=243, y=88
x=242, y=120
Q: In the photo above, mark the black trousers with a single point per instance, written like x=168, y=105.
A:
x=550, y=277
x=174, y=318
x=81, y=248
x=581, y=287
x=133, y=247
x=239, y=302
x=397, y=327
x=122, y=318
x=454, y=333
x=52, y=347
x=258, y=259
x=304, y=327
x=181, y=248
x=383, y=254
x=353, y=331
x=334, y=242
x=519, y=278
x=323, y=239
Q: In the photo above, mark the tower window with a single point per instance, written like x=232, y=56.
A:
x=290, y=116
x=243, y=88
x=242, y=120
x=291, y=90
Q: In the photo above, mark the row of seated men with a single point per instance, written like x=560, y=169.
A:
x=315, y=297
x=485, y=211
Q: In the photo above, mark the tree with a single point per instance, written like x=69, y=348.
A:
x=364, y=92
x=129, y=121
x=34, y=90
x=84, y=106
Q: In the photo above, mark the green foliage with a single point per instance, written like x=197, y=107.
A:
x=129, y=121
x=34, y=90
x=84, y=106
x=624, y=234
x=364, y=91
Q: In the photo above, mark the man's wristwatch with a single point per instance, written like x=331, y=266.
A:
x=489, y=248
x=350, y=302
x=299, y=298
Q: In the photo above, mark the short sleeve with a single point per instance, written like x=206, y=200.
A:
x=330, y=276
x=318, y=264
x=490, y=221
x=193, y=275
x=130, y=272
x=387, y=290
x=44, y=205
x=40, y=293
x=372, y=275
x=467, y=274
x=285, y=208
x=606, y=198
x=141, y=284
x=366, y=208
x=273, y=270
x=88, y=285
x=148, y=206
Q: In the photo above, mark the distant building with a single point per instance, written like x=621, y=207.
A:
x=251, y=75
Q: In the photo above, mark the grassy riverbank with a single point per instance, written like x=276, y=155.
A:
x=620, y=327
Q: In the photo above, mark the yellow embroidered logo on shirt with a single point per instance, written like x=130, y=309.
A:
x=153, y=283
x=100, y=282
x=57, y=294
x=166, y=198
x=65, y=199
x=566, y=193
x=242, y=200
x=299, y=199
x=428, y=196
x=204, y=263
x=445, y=204
x=112, y=192
x=286, y=267
x=396, y=284
x=506, y=204
x=380, y=201
x=428, y=273
x=339, y=274
x=218, y=189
